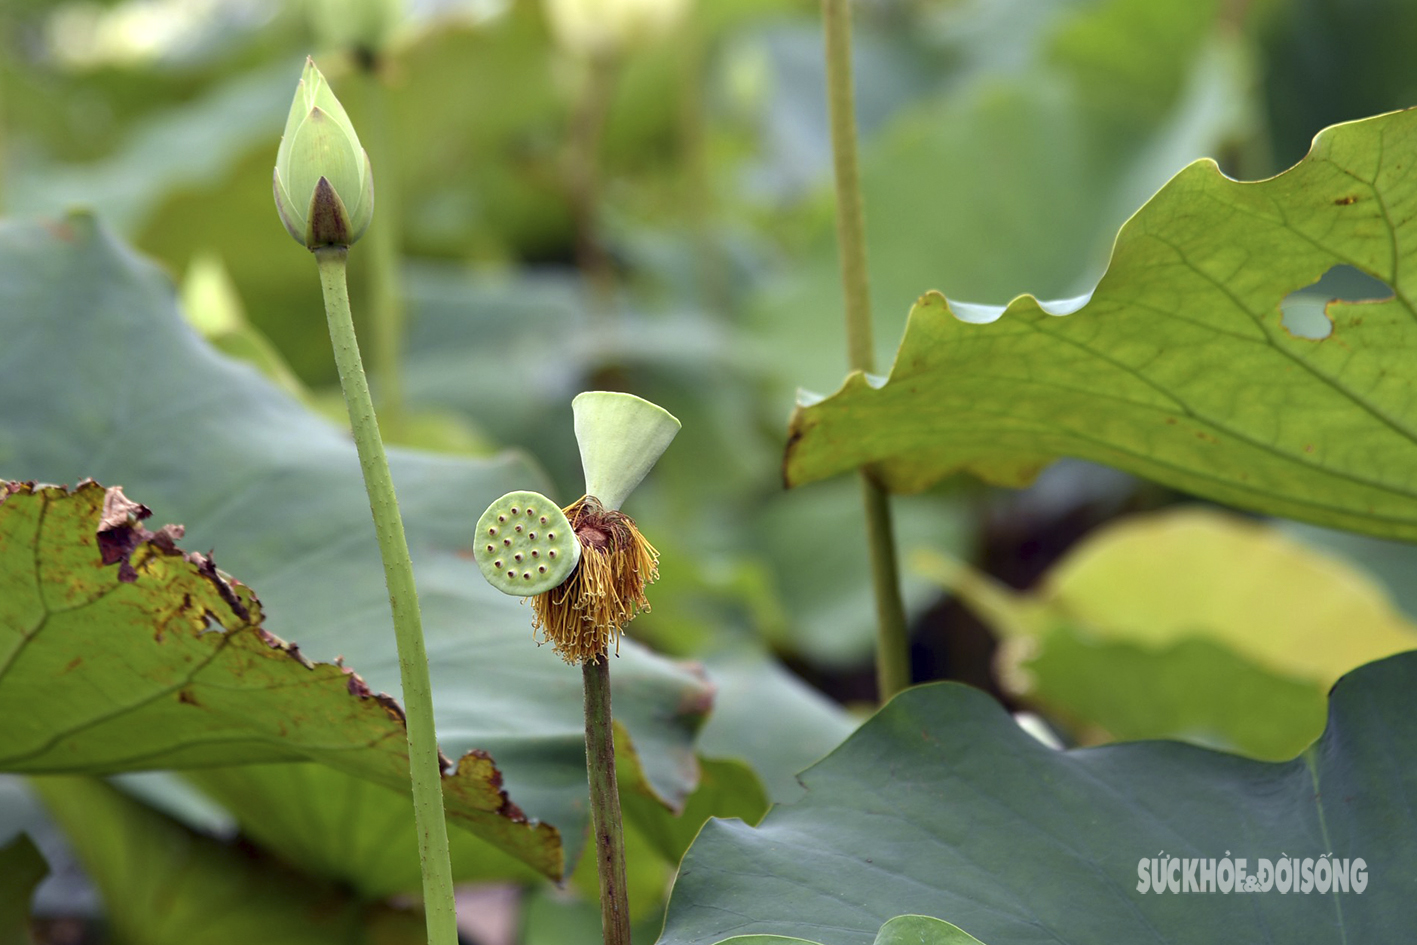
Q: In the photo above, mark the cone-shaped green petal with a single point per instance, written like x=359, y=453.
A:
x=362, y=212
x=299, y=108
x=621, y=437
x=292, y=216
x=323, y=98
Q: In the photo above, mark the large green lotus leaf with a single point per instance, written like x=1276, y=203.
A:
x=120, y=652
x=902, y=930
x=103, y=378
x=1188, y=623
x=162, y=884
x=1177, y=366
x=941, y=805
x=361, y=833
x=771, y=719
x=348, y=829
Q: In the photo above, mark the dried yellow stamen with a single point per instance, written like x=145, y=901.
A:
x=586, y=613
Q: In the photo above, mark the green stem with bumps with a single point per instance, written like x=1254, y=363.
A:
x=892, y=641
x=605, y=803
x=424, y=761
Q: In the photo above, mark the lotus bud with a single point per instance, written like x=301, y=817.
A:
x=599, y=28
x=324, y=186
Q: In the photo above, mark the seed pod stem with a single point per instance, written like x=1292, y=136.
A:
x=605, y=804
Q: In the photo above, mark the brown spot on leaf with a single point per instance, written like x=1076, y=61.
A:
x=120, y=532
x=186, y=698
x=1345, y=201
x=207, y=568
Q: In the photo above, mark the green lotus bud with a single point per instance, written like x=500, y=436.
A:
x=621, y=437
x=324, y=186
x=524, y=544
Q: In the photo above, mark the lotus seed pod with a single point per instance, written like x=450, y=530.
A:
x=621, y=437
x=324, y=186
x=524, y=544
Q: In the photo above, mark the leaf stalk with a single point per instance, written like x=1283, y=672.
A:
x=605, y=803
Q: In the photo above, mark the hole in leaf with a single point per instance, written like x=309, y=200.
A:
x=1304, y=315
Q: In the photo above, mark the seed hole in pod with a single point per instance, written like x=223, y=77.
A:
x=542, y=569
x=492, y=530
x=535, y=553
x=531, y=511
x=511, y=574
x=497, y=563
x=551, y=535
x=527, y=576
x=517, y=556
x=501, y=518
x=552, y=552
x=531, y=535
x=507, y=542
x=519, y=528
x=490, y=547
x=543, y=519
x=514, y=510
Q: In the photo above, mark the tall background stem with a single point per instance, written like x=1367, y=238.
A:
x=605, y=803
x=588, y=116
x=698, y=176
x=425, y=765
x=892, y=642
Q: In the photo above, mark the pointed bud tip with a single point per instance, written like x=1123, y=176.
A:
x=329, y=221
